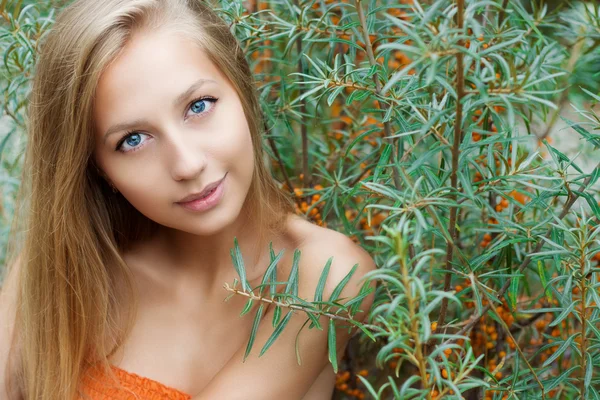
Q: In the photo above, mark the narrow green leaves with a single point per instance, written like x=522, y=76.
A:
x=238, y=263
x=255, y=324
x=292, y=286
x=276, y=332
x=331, y=344
x=340, y=286
x=322, y=281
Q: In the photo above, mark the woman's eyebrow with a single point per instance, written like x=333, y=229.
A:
x=180, y=99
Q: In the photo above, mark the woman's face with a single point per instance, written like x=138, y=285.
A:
x=167, y=124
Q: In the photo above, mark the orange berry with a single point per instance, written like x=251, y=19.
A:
x=363, y=372
x=487, y=237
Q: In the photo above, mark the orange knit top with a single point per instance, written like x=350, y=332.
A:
x=96, y=386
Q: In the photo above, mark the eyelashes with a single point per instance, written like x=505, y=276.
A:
x=201, y=114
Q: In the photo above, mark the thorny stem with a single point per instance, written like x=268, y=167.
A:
x=583, y=343
x=374, y=328
x=304, y=133
x=525, y=262
x=382, y=105
x=460, y=88
x=414, y=321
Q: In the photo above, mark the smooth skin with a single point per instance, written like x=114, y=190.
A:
x=185, y=336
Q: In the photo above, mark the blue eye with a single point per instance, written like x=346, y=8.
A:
x=199, y=105
x=196, y=108
x=133, y=138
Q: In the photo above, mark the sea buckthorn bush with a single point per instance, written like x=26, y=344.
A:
x=423, y=130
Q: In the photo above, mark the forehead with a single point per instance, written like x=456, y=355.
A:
x=153, y=68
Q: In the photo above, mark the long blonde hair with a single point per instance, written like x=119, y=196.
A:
x=74, y=227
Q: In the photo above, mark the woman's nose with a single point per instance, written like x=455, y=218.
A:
x=186, y=160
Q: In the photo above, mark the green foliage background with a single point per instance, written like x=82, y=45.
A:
x=413, y=128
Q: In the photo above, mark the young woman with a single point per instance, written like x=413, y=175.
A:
x=144, y=161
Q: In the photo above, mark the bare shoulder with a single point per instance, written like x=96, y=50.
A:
x=317, y=245
x=321, y=243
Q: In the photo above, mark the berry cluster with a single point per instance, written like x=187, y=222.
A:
x=344, y=384
x=309, y=204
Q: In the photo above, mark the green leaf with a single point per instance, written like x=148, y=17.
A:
x=589, y=369
x=247, y=308
x=331, y=344
x=322, y=280
x=238, y=263
x=560, y=350
x=271, y=272
x=592, y=138
x=564, y=314
x=362, y=328
x=276, y=315
x=315, y=321
x=369, y=387
x=255, y=324
x=334, y=94
x=276, y=332
x=542, y=274
x=292, y=286
x=356, y=301
x=297, y=342
x=340, y=286
x=383, y=160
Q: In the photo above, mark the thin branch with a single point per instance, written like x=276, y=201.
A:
x=303, y=128
x=382, y=105
x=374, y=328
x=460, y=88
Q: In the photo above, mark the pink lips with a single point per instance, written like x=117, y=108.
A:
x=208, y=202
